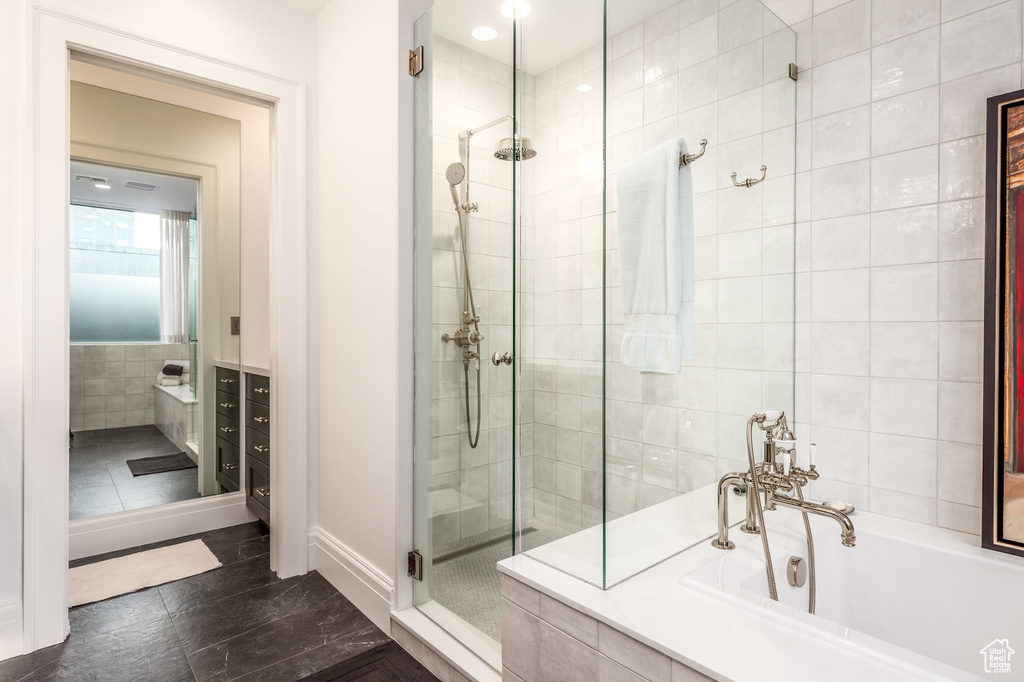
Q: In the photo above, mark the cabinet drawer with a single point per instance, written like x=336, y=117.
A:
x=228, y=464
x=227, y=380
x=257, y=388
x=258, y=490
x=228, y=405
x=257, y=417
x=258, y=445
x=228, y=429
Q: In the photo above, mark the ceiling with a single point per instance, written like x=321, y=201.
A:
x=553, y=31
x=312, y=6
x=172, y=193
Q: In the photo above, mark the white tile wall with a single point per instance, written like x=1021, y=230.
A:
x=111, y=385
x=891, y=180
x=471, y=488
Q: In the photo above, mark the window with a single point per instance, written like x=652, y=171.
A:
x=115, y=276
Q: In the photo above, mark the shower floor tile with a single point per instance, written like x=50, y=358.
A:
x=469, y=585
x=101, y=483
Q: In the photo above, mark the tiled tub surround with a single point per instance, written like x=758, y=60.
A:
x=665, y=626
x=698, y=72
x=174, y=414
x=890, y=244
x=111, y=385
x=471, y=490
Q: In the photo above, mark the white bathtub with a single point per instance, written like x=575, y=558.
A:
x=909, y=594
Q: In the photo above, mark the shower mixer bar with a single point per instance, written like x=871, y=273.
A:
x=687, y=159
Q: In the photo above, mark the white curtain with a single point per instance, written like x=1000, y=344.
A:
x=174, y=277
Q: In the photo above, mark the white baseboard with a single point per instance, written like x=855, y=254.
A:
x=361, y=582
x=112, y=532
x=10, y=629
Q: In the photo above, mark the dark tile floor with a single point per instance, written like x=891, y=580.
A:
x=101, y=482
x=237, y=622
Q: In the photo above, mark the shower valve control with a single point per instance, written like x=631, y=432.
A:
x=498, y=358
x=464, y=338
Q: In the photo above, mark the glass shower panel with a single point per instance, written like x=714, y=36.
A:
x=577, y=456
x=560, y=205
x=464, y=248
x=719, y=74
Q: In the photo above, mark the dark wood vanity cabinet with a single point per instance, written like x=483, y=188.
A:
x=257, y=445
x=229, y=402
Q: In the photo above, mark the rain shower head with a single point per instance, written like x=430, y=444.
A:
x=455, y=174
x=515, y=148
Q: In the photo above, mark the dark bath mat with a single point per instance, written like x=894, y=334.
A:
x=158, y=465
x=386, y=663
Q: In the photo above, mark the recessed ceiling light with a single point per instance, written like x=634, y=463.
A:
x=583, y=87
x=100, y=185
x=516, y=9
x=484, y=33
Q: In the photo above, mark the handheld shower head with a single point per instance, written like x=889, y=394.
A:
x=455, y=174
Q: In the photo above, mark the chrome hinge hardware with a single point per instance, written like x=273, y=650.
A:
x=416, y=565
x=416, y=61
x=794, y=71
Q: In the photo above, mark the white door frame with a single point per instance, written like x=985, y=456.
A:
x=51, y=34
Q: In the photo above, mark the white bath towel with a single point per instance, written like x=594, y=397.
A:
x=172, y=380
x=656, y=248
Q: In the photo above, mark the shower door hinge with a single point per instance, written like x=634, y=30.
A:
x=416, y=61
x=794, y=71
x=416, y=565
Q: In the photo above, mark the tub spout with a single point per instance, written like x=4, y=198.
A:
x=848, y=536
x=729, y=480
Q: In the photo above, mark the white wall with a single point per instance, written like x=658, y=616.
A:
x=261, y=34
x=12, y=118
x=360, y=63
x=891, y=145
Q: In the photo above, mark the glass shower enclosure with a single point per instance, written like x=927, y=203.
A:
x=554, y=142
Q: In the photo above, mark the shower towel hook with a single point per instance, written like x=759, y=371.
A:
x=750, y=182
x=687, y=159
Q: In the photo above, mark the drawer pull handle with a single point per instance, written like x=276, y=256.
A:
x=229, y=381
x=262, y=492
x=229, y=405
x=261, y=390
x=228, y=429
x=261, y=420
x=228, y=467
x=261, y=448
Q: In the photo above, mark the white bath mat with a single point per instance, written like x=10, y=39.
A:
x=113, y=577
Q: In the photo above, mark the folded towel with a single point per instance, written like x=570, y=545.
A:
x=173, y=370
x=656, y=248
x=170, y=381
x=183, y=379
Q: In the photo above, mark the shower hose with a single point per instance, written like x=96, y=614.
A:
x=469, y=305
x=773, y=591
